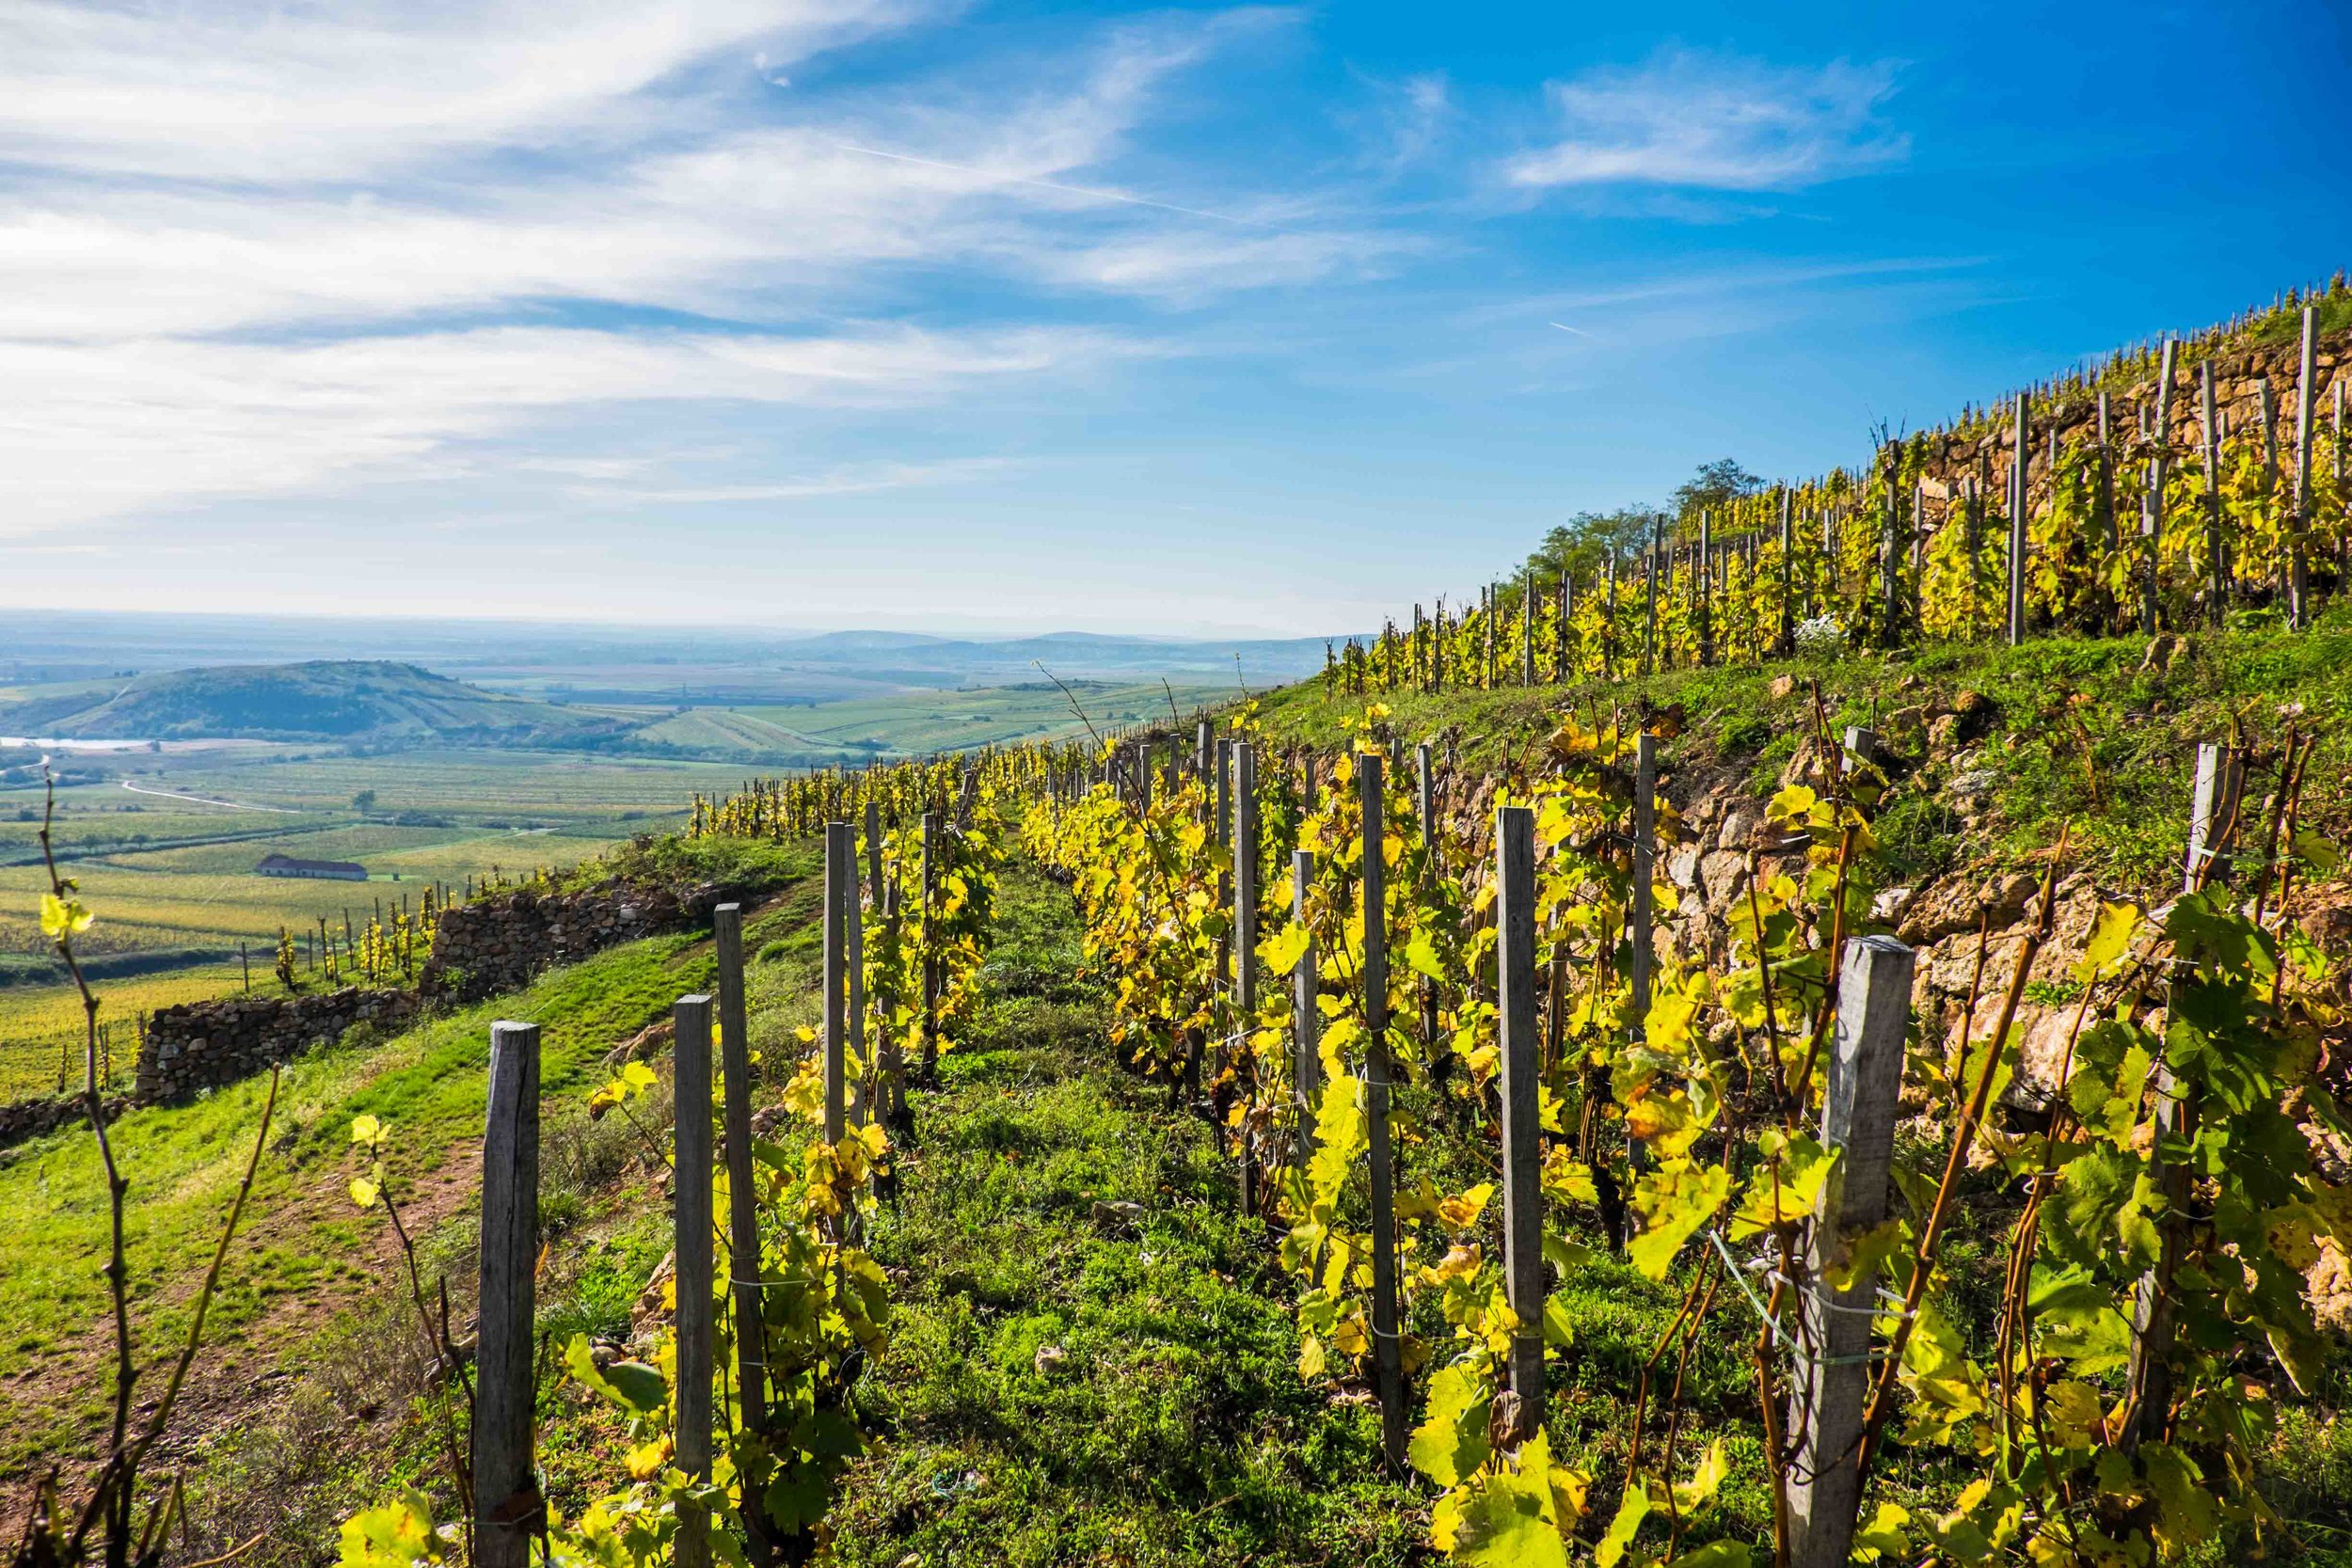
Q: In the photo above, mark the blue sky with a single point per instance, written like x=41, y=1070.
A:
x=1021, y=317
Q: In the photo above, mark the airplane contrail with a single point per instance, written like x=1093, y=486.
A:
x=1095, y=192
x=1565, y=327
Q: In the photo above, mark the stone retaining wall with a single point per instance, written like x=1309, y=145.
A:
x=29, y=1118
x=503, y=944
x=200, y=1045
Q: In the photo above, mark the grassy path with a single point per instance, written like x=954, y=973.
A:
x=1172, y=1427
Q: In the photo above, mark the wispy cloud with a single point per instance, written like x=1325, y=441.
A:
x=256, y=91
x=1712, y=122
x=128, y=425
x=247, y=249
x=855, y=480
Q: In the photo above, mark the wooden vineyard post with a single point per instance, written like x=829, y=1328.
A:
x=1246, y=948
x=245, y=964
x=2216, y=562
x=2152, y=504
x=1865, y=1073
x=2307, y=374
x=1639, y=915
x=1702, y=580
x=691, y=1210
x=1527, y=628
x=1494, y=609
x=2268, y=413
x=854, y=953
x=2017, y=532
x=1890, y=556
x=1609, y=623
x=743, y=1263
x=1203, y=765
x=2212, y=822
x=1650, y=596
x=507, y=1510
x=930, y=949
x=1522, y=1150
x=1425, y=811
x=1824, y=592
x=1919, y=542
x=1860, y=746
x=1388, y=1350
x=1305, y=1019
x=888, y=1040
x=840, y=900
x=1784, y=641
x=2109, y=536
x=873, y=851
x=1563, y=673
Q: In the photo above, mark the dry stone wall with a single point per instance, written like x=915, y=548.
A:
x=29, y=1118
x=202, y=1045
x=1982, y=455
x=502, y=943
x=494, y=944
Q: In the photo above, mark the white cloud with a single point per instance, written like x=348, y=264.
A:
x=138, y=423
x=247, y=248
x=852, y=480
x=258, y=90
x=1713, y=124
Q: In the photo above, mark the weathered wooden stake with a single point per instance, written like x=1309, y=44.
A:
x=1522, y=1146
x=1246, y=948
x=1387, y=1350
x=1306, y=1017
x=743, y=1263
x=1865, y=1072
x=2152, y=504
x=2212, y=822
x=1562, y=672
x=840, y=905
x=2306, y=379
x=1527, y=628
x=508, y=1510
x=2017, y=493
x=1784, y=641
x=691, y=1211
x=2217, y=560
x=1702, y=580
x=1649, y=593
x=1639, y=916
x=2109, y=533
x=930, y=949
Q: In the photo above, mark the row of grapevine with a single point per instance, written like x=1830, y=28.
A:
x=1718, y=1127
x=740, y=1422
x=2125, y=530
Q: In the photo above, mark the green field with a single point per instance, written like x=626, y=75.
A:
x=172, y=880
x=987, y=715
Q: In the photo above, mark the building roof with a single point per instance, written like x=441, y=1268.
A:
x=289, y=862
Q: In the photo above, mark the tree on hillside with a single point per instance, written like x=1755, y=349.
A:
x=1582, y=543
x=1716, y=484
x=364, y=802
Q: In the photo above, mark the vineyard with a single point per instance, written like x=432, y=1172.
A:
x=1815, y=1040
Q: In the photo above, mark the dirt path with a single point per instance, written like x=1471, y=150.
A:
x=238, y=1374
x=210, y=800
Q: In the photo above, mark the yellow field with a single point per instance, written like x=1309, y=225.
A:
x=39, y=1024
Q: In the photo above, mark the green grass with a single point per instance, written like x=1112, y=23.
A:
x=985, y=715
x=1176, y=1429
x=2126, y=795
x=184, y=1164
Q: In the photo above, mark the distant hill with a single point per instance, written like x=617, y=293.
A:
x=341, y=700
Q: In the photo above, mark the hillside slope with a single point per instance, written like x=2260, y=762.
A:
x=323, y=698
